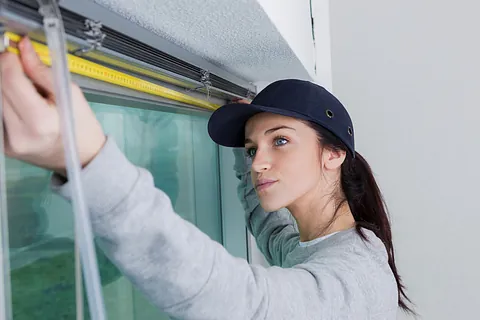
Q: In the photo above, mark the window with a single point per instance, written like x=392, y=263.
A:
x=173, y=146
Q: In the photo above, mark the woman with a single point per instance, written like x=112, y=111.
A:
x=339, y=263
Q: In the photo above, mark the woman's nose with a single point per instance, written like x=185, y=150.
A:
x=261, y=162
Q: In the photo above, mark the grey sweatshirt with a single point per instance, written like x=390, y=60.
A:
x=189, y=276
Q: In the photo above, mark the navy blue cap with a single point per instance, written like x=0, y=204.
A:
x=293, y=98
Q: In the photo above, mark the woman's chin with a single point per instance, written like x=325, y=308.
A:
x=269, y=206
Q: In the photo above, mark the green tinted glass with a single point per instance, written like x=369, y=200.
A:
x=183, y=160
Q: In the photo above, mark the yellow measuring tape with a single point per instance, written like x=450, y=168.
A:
x=96, y=71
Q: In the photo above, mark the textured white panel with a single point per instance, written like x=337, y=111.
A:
x=236, y=35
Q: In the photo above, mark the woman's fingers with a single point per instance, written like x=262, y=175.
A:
x=32, y=123
x=239, y=100
x=24, y=99
x=35, y=69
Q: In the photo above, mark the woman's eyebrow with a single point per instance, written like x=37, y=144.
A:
x=247, y=140
x=278, y=128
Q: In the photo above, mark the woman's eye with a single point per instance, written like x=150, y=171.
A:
x=280, y=141
x=250, y=152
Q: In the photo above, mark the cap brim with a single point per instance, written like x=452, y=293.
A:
x=226, y=125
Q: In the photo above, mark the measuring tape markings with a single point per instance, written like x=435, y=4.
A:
x=96, y=71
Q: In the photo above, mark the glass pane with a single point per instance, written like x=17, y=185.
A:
x=183, y=160
x=41, y=246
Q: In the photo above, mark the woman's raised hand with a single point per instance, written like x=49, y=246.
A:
x=31, y=119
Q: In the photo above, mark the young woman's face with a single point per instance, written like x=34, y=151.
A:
x=285, y=157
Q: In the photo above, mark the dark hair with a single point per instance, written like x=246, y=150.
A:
x=366, y=202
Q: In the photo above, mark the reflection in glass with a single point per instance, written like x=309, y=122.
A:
x=183, y=160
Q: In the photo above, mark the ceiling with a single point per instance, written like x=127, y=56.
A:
x=236, y=35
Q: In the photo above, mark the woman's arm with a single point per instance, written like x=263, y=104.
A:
x=179, y=268
x=274, y=232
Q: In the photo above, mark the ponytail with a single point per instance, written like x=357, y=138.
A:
x=369, y=210
x=366, y=202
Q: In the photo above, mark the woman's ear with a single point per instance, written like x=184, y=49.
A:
x=333, y=159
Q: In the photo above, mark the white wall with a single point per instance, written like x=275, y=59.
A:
x=292, y=20
x=409, y=73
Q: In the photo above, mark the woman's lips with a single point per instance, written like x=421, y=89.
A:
x=264, y=184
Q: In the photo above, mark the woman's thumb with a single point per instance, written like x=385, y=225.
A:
x=34, y=68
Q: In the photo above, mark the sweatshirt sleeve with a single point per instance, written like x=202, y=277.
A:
x=275, y=232
x=178, y=267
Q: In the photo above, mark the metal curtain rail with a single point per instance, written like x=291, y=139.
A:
x=96, y=71
x=125, y=53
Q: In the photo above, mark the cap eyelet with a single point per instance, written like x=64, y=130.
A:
x=350, y=131
x=329, y=113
